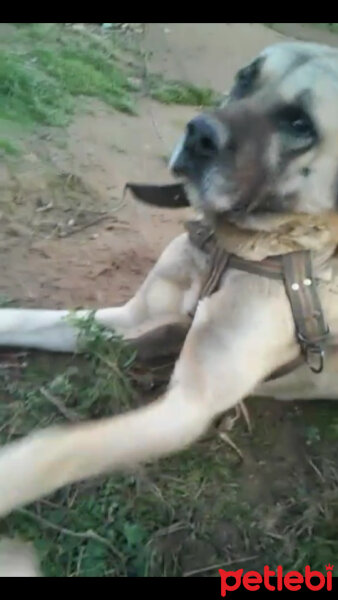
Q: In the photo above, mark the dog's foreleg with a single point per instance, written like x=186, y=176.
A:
x=229, y=349
x=52, y=329
x=50, y=459
x=166, y=295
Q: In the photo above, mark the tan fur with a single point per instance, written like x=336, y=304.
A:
x=271, y=235
x=18, y=559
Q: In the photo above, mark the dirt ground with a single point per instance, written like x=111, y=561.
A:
x=67, y=180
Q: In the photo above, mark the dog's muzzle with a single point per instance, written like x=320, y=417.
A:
x=201, y=145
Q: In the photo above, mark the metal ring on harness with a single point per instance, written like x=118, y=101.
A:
x=310, y=348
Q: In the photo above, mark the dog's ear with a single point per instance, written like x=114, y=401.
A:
x=171, y=195
x=246, y=79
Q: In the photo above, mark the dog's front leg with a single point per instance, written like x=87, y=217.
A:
x=167, y=295
x=235, y=341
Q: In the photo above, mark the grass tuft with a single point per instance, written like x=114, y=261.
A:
x=178, y=92
x=50, y=68
x=9, y=147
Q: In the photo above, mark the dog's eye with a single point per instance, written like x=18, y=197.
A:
x=296, y=129
x=300, y=125
x=293, y=120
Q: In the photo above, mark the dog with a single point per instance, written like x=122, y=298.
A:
x=262, y=169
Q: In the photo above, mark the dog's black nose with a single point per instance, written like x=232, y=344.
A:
x=201, y=142
x=202, y=138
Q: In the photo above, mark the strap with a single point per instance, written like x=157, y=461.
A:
x=311, y=329
x=269, y=267
x=286, y=369
x=201, y=235
x=221, y=260
x=219, y=264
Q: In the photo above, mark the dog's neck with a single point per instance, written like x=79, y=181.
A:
x=255, y=237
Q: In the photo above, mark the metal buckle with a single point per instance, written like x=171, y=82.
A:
x=315, y=350
x=311, y=348
x=199, y=232
x=204, y=234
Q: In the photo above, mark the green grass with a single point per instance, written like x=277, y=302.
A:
x=178, y=92
x=44, y=73
x=5, y=301
x=331, y=27
x=45, y=69
x=8, y=147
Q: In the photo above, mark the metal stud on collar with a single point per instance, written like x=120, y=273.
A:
x=295, y=286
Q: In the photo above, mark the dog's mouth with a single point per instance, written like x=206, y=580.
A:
x=218, y=166
x=184, y=194
x=193, y=166
x=221, y=162
x=193, y=187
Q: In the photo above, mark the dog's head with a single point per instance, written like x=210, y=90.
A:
x=274, y=145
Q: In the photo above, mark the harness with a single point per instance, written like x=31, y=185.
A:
x=295, y=270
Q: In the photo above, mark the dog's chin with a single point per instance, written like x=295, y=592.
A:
x=233, y=203
x=208, y=202
x=239, y=210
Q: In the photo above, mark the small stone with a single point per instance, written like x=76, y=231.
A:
x=78, y=26
x=31, y=157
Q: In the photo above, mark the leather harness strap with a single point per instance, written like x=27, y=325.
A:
x=219, y=264
x=295, y=270
x=300, y=285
